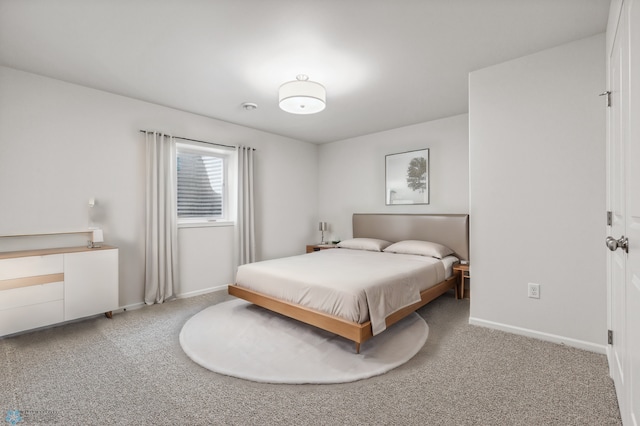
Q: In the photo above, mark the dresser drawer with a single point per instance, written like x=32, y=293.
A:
x=21, y=267
x=31, y=295
x=27, y=317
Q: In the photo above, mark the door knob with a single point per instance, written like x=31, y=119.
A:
x=622, y=242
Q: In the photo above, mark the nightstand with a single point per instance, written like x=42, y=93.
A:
x=463, y=270
x=317, y=247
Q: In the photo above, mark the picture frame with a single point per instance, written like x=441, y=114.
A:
x=407, y=178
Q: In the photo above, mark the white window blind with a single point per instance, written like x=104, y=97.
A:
x=201, y=184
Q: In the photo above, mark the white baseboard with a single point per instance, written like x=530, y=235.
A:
x=580, y=344
x=131, y=307
x=139, y=305
x=199, y=292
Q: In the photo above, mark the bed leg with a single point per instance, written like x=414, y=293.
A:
x=357, y=347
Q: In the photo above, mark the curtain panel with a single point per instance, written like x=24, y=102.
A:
x=245, y=224
x=161, y=236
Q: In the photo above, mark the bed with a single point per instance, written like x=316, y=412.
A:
x=360, y=290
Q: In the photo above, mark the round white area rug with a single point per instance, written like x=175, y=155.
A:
x=239, y=339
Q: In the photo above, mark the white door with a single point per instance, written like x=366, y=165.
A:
x=624, y=202
x=616, y=176
x=633, y=216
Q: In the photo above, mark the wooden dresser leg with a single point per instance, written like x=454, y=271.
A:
x=108, y=314
x=357, y=347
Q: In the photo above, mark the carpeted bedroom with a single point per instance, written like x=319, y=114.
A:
x=132, y=370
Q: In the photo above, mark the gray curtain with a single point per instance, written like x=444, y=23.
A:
x=245, y=224
x=161, y=244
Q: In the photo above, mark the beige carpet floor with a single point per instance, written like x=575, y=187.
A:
x=132, y=370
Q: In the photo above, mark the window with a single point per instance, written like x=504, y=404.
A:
x=202, y=183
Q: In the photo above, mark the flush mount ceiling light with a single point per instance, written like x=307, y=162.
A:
x=302, y=96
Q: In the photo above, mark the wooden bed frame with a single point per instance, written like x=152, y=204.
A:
x=449, y=230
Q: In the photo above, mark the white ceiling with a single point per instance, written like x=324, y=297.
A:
x=384, y=63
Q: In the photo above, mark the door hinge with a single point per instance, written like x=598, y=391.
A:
x=609, y=218
x=608, y=95
x=610, y=337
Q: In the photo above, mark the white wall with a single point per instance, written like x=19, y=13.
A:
x=537, y=194
x=352, y=172
x=61, y=144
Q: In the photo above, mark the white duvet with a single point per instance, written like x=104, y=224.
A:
x=356, y=285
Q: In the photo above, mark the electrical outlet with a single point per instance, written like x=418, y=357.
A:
x=534, y=291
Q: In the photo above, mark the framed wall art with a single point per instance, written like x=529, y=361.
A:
x=407, y=177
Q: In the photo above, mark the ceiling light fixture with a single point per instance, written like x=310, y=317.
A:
x=302, y=96
x=249, y=106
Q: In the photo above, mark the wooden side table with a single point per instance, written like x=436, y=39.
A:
x=463, y=270
x=317, y=247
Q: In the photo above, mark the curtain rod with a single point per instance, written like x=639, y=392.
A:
x=195, y=140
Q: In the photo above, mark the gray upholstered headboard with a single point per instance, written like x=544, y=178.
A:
x=451, y=230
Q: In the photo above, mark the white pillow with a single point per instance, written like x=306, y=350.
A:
x=370, y=244
x=422, y=248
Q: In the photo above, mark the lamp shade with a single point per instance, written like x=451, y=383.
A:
x=97, y=236
x=322, y=226
x=302, y=96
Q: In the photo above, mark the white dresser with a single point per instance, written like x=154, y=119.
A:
x=43, y=287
